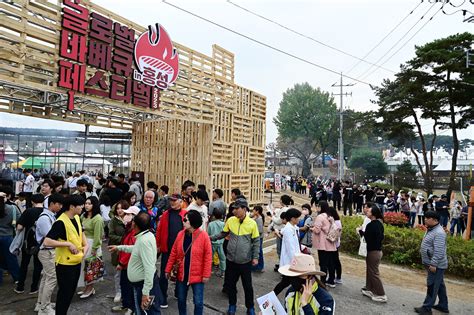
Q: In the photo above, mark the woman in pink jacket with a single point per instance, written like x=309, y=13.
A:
x=326, y=249
x=192, y=244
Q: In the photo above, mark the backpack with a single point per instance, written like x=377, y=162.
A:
x=32, y=246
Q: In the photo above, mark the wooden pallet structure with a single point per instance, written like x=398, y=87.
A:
x=207, y=129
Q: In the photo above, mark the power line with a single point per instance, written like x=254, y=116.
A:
x=306, y=36
x=397, y=42
x=402, y=46
x=385, y=37
x=262, y=43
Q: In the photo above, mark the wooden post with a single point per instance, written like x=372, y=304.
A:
x=467, y=233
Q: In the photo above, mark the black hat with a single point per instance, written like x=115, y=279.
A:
x=194, y=218
x=432, y=215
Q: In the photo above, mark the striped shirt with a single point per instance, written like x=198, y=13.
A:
x=433, y=248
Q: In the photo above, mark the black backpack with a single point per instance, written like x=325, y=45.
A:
x=32, y=246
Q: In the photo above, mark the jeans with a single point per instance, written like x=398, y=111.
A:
x=198, y=297
x=163, y=282
x=456, y=223
x=260, y=264
x=67, y=277
x=337, y=203
x=435, y=288
x=443, y=219
x=137, y=298
x=412, y=219
x=37, y=267
x=126, y=291
x=10, y=261
x=278, y=241
x=243, y=271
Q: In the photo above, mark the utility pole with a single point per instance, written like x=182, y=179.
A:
x=340, y=164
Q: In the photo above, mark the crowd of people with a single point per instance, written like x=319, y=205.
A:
x=67, y=222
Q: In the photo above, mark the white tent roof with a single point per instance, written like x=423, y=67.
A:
x=462, y=165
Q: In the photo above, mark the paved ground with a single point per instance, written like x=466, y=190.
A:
x=402, y=298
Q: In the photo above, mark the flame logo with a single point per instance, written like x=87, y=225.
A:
x=155, y=52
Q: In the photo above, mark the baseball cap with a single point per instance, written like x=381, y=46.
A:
x=133, y=210
x=175, y=197
x=241, y=203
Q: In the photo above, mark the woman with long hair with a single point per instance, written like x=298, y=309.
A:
x=304, y=224
x=93, y=226
x=131, y=198
x=116, y=233
x=337, y=262
x=374, y=235
x=326, y=249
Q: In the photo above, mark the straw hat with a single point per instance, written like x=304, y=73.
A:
x=301, y=265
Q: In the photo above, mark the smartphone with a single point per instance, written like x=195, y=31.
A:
x=150, y=302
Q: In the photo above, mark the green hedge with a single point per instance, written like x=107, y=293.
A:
x=401, y=246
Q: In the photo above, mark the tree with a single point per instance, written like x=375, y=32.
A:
x=305, y=121
x=405, y=176
x=369, y=160
x=452, y=81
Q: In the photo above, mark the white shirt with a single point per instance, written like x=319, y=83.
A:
x=28, y=184
x=366, y=221
x=73, y=182
x=104, y=211
x=203, y=211
x=290, y=244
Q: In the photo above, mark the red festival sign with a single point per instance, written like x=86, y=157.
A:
x=110, y=48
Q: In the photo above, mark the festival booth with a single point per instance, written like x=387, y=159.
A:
x=75, y=61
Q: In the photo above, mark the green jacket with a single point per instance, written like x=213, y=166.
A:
x=116, y=231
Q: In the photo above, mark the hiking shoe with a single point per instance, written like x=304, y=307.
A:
x=367, y=292
x=380, y=298
x=440, y=309
x=423, y=311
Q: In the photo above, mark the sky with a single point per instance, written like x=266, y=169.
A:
x=353, y=26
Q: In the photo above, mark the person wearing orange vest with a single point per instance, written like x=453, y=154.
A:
x=70, y=244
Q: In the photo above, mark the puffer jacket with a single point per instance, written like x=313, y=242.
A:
x=128, y=239
x=116, y=233
x=201, y=257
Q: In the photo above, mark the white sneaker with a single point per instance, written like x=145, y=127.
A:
x=367, y=293
x=118, y=297
x=48, y=310
x=338, y=281
x=380, y=298
x=37, y=307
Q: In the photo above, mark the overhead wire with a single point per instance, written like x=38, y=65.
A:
x=397, y=42
x=384, y=38
x=304, y=35
x=404, y=44
x=264, y=44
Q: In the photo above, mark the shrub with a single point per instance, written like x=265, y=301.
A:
x=395, y=218
x=401, y=246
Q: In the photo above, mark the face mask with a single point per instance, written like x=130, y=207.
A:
x=127, y=218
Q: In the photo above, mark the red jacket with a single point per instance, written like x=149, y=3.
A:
x=201, y=257
x=128, y=239
x=162, y=230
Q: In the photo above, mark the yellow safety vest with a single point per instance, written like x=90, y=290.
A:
x=293, y=302
x=63, y=254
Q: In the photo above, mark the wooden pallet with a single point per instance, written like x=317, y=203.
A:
x=210, y=130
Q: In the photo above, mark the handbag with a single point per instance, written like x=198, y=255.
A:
x=363, y=247
x=175, y=268
x=94, y=269
x=333, y=233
